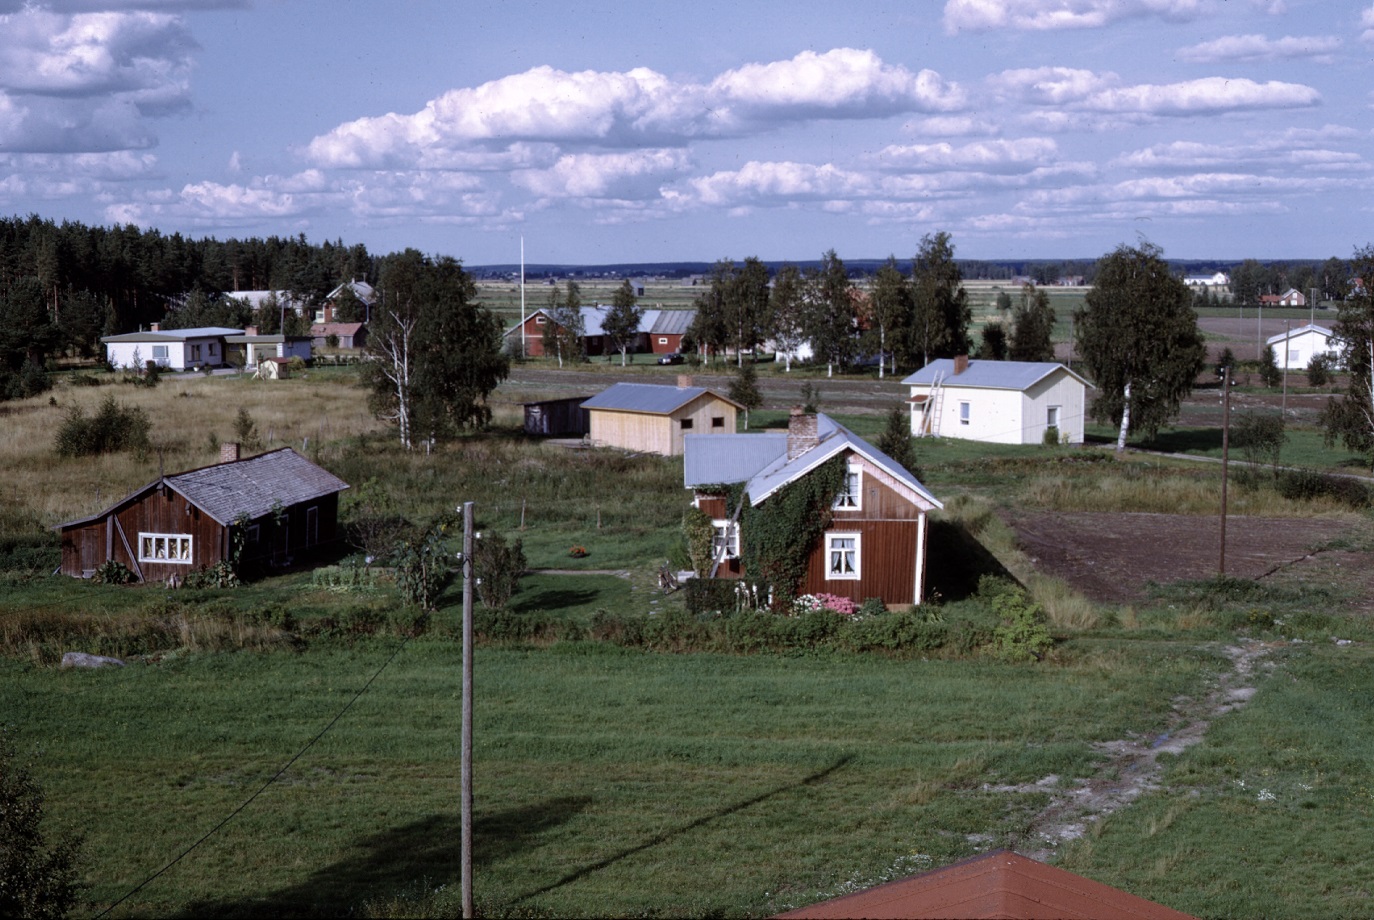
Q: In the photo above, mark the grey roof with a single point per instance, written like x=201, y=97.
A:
x=1294, y=333
x=254, y=487
x=248, y=488
x=650, y=398
x=990, y=375
x=173, y=335
x=730, y=457
x=672, y=322
x=713, y=459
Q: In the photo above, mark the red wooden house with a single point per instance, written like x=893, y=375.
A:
x=272, y=508
x=875, y=544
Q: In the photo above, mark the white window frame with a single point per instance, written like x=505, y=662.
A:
x=965, y=411
x=663, y=340
x=724, y=533
x=540, y=319
x=851, y=496
x=159, y=352
x=1052, y=417
x=1294, y=356
x=835, y=552
x=175, y=548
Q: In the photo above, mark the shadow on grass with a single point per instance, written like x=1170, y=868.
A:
x=552, y=599
x=1186, y=441
x=391, y=860
x=955, y=560
x=690, y=826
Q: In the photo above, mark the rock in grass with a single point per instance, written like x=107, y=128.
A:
x=83, y=660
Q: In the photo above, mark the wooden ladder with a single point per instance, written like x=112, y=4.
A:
x=935, y=401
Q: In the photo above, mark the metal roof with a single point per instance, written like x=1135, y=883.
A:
x=173, y=335
x=990, y=375
x=650, y=398
x=710, y=459
x=672, y=322
x=996, y=884
x=1294, y=333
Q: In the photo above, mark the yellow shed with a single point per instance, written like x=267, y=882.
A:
x=653, y=418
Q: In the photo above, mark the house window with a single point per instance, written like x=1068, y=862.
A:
x=159, y=352
x=725, y=541
x=685, y=424
x=842, y=551
x=1293, y=357
x=851, y=493
x=663, y=340
x=540, y=320
x=195, y=352
x=718, y=421
x=210, y=349
x=162, y=547
x=1052, y=418
x=963, y=413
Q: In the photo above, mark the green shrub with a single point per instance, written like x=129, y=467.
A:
x=113, y=428
x=498, y=567
x=1022, y=634
x=37, y=880
x=113, y=572
x=712, y=596
x=1311, y=485
x=1318, y=371
x=219, y=575
x=1051, y=436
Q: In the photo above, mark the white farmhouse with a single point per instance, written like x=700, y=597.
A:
x=1295, y=348
x=171, y=349
x=1002, y=402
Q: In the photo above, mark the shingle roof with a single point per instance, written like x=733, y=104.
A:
x=650, y=398
x=243, y=488
x=990, y=375
x=255, y=486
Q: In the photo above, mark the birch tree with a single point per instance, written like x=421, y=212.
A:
x=786, y=306
x=1139, y=341
x=621, y=323
x=1350, y=418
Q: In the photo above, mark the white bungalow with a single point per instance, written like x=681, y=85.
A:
x=1295, y=348
x=172, y=349
x=253, y=349
x=1002, y=402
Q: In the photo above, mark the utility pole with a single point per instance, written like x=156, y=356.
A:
x=1225, y=458
x=465, y=746
x=522, y=297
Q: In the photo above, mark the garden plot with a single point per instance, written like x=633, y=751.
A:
x=1114, y=557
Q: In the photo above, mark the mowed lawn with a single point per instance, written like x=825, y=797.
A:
x=608, y=782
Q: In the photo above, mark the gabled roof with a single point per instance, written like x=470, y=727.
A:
x=712, y=459
x=361, y=289
x=335, y=328
x=243, y=488
x=996, y=884
x=653, y=321
x=173, y=335
x=672, y=322
x=649, y=398
x=1294, y=333
x=990, y=375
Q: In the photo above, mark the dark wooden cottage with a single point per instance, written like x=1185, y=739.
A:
x=272, y=508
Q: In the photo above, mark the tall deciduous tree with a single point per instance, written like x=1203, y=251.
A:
x=621, y=322
x=1351, y=417
x=942, y=311
x=565, y=330
x=711, y=325
x=748, y=308
x=438, y=351
x=1139, y=340
x=829, y=318
x=1032, y=336
x=787, y=307
x=890, y=311
x=744, y=389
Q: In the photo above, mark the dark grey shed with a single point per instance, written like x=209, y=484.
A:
x=557, y=418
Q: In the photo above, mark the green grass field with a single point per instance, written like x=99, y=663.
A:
x=620, y=782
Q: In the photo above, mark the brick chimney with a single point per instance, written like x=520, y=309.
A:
x=229, y=452
x=684, y=380
x=155, y=327
x=250, y=330
x=801, y=433
x=960, y=364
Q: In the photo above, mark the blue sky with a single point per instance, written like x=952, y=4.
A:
x=633, y=131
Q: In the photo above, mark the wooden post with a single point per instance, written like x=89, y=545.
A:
x=1225, y=459
x=466, y=741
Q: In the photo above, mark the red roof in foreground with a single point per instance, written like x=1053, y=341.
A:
x=999, y=884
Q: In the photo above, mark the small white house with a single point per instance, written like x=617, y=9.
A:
x=254, y=349
x=1216, y=279
x=172, y=349
x=1002, y=402
x=1295, y=348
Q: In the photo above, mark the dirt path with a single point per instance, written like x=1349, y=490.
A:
x=1131, y=768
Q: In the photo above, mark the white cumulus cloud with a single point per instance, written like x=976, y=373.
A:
x=1262, y=48
x=601, y=175
x=1041, y=15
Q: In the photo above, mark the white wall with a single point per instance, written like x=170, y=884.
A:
x=1008, y=416
x=1297, y=352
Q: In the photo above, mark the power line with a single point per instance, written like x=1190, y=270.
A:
x=263, y=788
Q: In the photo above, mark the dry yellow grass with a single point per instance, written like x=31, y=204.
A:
x=190, y=417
